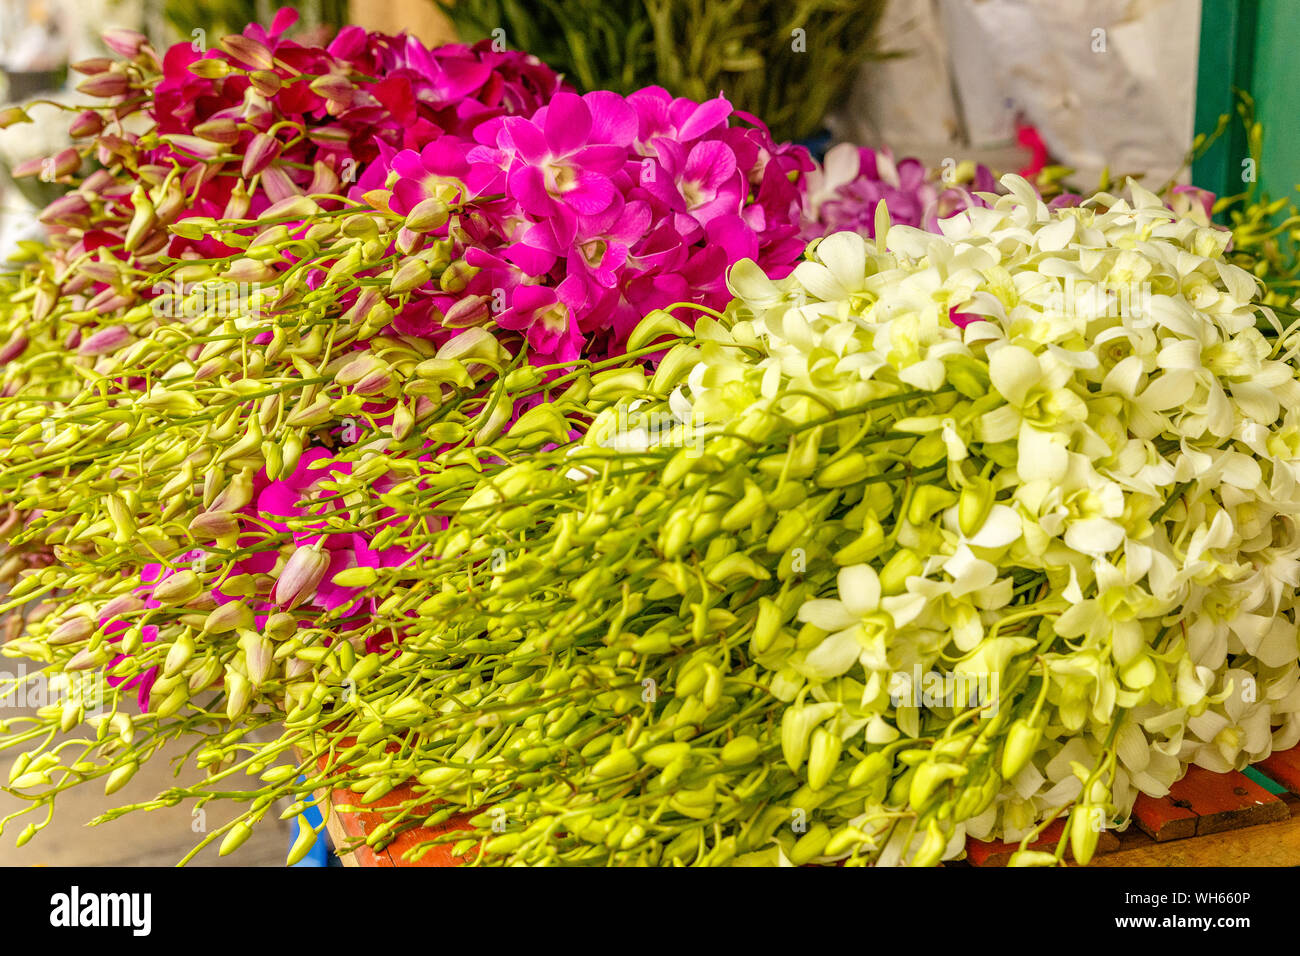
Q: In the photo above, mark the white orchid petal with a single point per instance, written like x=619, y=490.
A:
x=859, y=589
x=833, y=656
x=828, y=615
x=1013, y=372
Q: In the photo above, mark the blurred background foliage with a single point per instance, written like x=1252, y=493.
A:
x=785, y=62
x=178, y=19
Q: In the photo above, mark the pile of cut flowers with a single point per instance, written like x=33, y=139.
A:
x=601, y=473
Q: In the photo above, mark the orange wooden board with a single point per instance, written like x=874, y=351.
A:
x=1268, y=844
x=1164, y=818
x=1219, y=801
x=350, y=828
x=1283, y=767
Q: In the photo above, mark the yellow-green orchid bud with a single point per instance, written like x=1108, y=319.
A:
x=1022, y=740
x=119, y=777
x=237, y=493
x=280, y=626
x=844, y=840
x=178, y=655
x=206, y=674
x=616, y=764
x=928, y=778
x=142, y=219
x=905, y=564
x=737, y=565
x=238, y=693
x=767, y=625
x=178, y=588
x=303, y=844
x=542, y=423
x=811, y=845
x=174, y=403
x=797, y=725
x=974, y=504
x=656, y=324
x=927, y=500
x=823, y=757
x=661, y=755
x=175, y=699
x=744, y=511
x=11, y=115
x=456, y=277
x=789, y=528
x=1085, y=830
x=258, y=654
x=871, y=767
x=740, y=751
x=1032, y=858
x=843, y=471
x=228, y=617
x=358, y=577
x=428, y=215
x=932, y=847
x=236, y=838
x=614, y=384
x=867, y=545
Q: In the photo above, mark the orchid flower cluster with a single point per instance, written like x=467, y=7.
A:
x=599, y=208
x=231, y=131
x=226, y=183
x=486, y=195
x=1112, y=532
x=844, y=190
x=224, y=328
x=938, y=536
x=1039, y=462
x=243, y=133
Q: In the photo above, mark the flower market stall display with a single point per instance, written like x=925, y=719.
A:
x=788, y=65
x=469, y=433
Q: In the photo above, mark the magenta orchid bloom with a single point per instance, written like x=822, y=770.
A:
x=546, y=316
x=284, y=118
x=142, y=683
x=567, y=154
x=660, y=116
x=699, y=185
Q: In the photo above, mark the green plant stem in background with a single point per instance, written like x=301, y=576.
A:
x=216, y=18
x=785, y=62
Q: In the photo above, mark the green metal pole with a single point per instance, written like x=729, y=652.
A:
x=1225, y=64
